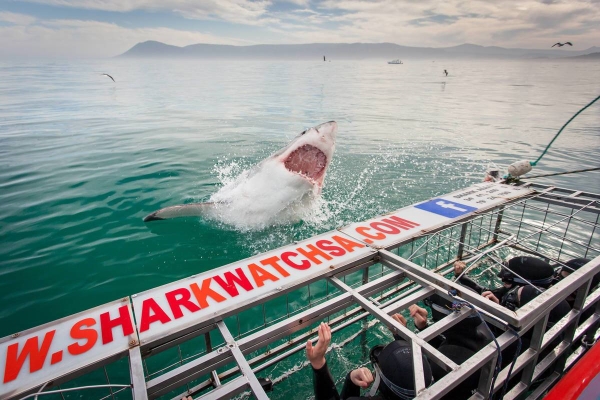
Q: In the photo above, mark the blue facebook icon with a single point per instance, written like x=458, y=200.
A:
x=450, y=209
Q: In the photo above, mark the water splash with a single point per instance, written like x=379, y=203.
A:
x=386, y=178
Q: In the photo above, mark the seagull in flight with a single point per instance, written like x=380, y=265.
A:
x=113, y=79
x=562, y=44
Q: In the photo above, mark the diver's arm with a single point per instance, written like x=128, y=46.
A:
x=349, y=389
x=499, y=292
x=324, y=386
x=459, y=269
x=357, y=378
x=471, y=284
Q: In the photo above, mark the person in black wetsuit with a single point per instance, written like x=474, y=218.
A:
x=459, y=355
x=525, y=294
x=393, y=363
x=523, y=279
x=518, y=272
x=458, y=343
x=470, y=333
x=522, y=296
x=562, y=272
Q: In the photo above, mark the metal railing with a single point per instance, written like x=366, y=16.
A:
x=223, y=357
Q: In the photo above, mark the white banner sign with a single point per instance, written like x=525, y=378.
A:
x=191, y=301
x=47, y=352
x=388, y=230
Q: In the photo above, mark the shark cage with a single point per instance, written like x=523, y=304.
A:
x=254, y=346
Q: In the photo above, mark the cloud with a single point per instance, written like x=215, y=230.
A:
x=304, y=11
x=16, y=19
x=104, y=5
x=507, y=23
x=303, y=3
x=527, y=23
x=237, y=11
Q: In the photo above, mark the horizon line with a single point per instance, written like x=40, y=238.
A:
x=352, y=43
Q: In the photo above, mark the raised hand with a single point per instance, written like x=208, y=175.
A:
x=316, y=353
x=361, y=377
x=459, y=267
x=419, y=316
x=400, y=318
x=490, y=296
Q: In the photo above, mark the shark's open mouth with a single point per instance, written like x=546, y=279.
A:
x=308, y=161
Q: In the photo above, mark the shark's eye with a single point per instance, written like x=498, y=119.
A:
x=303, y=133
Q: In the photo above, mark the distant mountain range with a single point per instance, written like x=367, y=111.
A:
x=591, y=56
x=343, y=51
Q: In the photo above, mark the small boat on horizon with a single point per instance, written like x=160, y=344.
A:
x=395, y=62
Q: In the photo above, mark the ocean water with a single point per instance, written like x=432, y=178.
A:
x=83, y=159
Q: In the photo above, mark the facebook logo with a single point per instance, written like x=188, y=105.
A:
x=450, y=209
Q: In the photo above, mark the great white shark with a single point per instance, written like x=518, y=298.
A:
x=276, y=190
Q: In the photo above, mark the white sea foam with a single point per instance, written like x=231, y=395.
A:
x=293, y=199
x=290, y=197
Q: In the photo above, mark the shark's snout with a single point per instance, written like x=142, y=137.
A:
x=328, y=129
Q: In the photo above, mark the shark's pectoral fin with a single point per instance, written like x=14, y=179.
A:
x=182, y=210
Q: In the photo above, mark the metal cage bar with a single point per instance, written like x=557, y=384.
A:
x=400, y=283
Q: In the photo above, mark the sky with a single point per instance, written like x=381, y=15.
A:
x=105, y=28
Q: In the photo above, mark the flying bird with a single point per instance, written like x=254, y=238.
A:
x=562, y=44
x=113, y=79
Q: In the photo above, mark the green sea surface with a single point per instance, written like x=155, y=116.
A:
x=83, y=159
